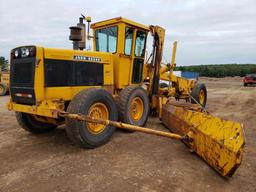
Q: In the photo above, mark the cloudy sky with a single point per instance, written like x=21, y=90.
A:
x=207, y=31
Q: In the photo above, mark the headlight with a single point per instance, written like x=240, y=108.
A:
x=27, y=52
x=16, y=53
x=24, y=52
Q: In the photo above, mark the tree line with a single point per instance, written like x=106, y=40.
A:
x=222, y=70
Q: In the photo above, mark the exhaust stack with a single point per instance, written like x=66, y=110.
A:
x=77, y=35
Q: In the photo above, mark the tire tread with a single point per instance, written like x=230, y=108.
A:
x=36, y=127
x=72, y=129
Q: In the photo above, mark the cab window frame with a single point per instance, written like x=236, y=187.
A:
x=145, y=42
x=133, y=30
x=97, y=42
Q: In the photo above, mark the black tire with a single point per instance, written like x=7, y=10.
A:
x=196, y=94
x=29, y=123
x=123, y=101
x=3, y=89
x=245, y=84
x=163, y=85
x=78, y=131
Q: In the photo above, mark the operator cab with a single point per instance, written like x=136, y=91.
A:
x=126, y=40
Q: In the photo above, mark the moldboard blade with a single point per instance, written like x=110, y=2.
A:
x=219, y=142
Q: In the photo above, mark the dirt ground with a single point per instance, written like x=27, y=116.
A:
x=130, y=161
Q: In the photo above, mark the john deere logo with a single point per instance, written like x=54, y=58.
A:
x=84, y=58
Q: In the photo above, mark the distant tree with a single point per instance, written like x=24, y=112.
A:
x=220, y=70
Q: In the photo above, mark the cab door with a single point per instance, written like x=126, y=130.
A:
x=125, y=57
x=139, y=55
x=132, y=58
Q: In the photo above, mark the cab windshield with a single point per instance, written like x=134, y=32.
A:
x=106, y=39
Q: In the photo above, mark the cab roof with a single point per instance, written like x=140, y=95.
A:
x=119, y=20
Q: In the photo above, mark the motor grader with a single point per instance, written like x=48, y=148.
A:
x=4, y=82
x=113, y=86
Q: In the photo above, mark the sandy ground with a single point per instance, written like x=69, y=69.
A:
x=130, y=161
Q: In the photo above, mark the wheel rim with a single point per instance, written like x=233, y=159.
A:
x=201, y=97
x=136, y=108
x=99, y=111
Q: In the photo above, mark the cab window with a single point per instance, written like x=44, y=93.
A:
x=106, y=39
x=128, y=41
x=140, y=43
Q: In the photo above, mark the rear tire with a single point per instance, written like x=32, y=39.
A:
x=199, y=93
x=89, y=135
x=29, y=123
x=245, y=84
x=126, y=104
x=3, y=89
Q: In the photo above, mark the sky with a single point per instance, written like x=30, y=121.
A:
x=207, y=31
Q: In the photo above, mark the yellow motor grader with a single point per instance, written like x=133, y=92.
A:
x=94, y=92
x=4, y=82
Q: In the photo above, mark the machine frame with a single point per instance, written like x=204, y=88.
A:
x=117, y=73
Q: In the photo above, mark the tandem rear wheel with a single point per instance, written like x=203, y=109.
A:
x=97, y=103
x=133, y=105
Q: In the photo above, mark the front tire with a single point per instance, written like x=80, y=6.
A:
x=199, y=93
x=29, y=123
x=96, y=103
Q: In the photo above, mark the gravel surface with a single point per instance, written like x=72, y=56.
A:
x=130, y=161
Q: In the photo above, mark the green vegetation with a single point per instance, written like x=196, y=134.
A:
x=222, y=70
x=3, y=64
